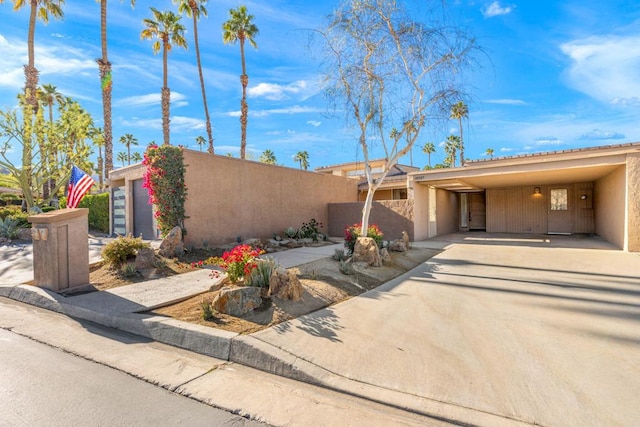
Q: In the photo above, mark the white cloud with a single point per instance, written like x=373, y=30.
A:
x=494, y=9
x=547, y=140
x=506, y=101
x=296, y=109
x=605, y=68
x=506, y=150
x=150, y=99
x=178, y=123
x=314, y=123
x=276, y=92
x=597, y=134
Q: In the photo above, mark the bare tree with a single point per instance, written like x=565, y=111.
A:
x=390, y=73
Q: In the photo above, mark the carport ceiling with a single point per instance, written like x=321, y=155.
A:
x=497, y=179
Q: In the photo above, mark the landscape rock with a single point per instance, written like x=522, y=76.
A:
x=398, y=246
x=285, y=284
x=237, y=301
x=405, y=239
x=172, y=244
x=24, y=234
x=384, y=254
x=145, y=258
x=366, y=250
x=306, y=241
x=294, y=244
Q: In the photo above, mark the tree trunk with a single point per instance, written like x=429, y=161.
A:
x=30, y=71
x=244, y=108
x=461, y=143
x=104, y=66
x=166, y=100
x=204, y=94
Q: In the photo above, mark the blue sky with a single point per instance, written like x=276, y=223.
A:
x=554, y=75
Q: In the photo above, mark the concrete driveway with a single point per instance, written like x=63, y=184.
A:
x=494, y=330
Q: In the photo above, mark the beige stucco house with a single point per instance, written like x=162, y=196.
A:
x=394, y=186
x=590, y=190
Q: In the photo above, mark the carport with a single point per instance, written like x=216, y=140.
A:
x=583, y=191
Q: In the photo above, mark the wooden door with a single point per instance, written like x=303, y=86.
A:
x=477, y=211
x=559, y=214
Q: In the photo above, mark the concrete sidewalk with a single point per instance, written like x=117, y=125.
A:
x=495, y=330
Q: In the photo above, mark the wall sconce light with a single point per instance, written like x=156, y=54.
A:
x=536, y=190
x=583, y=197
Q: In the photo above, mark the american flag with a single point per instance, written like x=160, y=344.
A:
x=79, y=184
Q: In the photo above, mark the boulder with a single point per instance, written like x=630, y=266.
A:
x=384, y=254
x=24, y=234
x=172, y=244
x=398, y=246
x=145, y=258
x=237, y=301
x=405, y=239
x=284, y=284
x=366, y=251
x=294, y=244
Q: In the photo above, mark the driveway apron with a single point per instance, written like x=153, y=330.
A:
x=530, y=332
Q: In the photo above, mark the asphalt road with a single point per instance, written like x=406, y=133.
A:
x=42, y=385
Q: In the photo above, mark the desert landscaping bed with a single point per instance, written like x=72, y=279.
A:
x=323, y=285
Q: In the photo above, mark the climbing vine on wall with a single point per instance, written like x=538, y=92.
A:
x=164, y=180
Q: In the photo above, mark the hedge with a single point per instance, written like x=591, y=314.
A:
x=98, y=205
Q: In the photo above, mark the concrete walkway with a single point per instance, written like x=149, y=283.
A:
x=495, y=330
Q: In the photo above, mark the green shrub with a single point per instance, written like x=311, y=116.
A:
x=261, y=274
x=98, y=205
x=16, y=213
x=116, y=253
x=9, y=228
x=310, y=230
x=352, y=232
x=339, y=255
x=129, y=270
x=208, y=313
x=291, y=232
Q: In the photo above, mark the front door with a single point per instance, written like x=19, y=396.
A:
x=477, y=211
x=559, y=216
x=142, y=212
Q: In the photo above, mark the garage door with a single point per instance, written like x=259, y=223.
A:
x=142, y=212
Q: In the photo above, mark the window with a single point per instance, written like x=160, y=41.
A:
x=559, y=199
x=399, y=194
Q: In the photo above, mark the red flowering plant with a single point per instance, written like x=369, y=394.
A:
x=352, y=232
x=239, y=262
x=164, y=180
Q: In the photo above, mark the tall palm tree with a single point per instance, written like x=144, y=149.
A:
x=97, y=136
x=240, y=28
x=128, y=140
x=450, y=147
x=105, y=83
x=460, y=111
x=489, y=152
x=122, y=157
x=429, y=148
x=49, y=96
x=136, y=157
x=200, y=141
x=302, y=157
x=269, y=157
x=167, y=29
x=38, y=9
x=193, y=9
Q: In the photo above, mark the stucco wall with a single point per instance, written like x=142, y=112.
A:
x=609, y=201
x=230, y=198
x=421, y=211
x=633, y=202
x=392, y=217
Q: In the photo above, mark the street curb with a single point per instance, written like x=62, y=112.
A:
x=200, y=339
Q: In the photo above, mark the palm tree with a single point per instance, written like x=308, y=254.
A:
x=136, y=157
x=450, y=147
x=97, y=136
x=167, y=29
x=49, y=96
x=302, y=157
x=122, y=157
x=41, y=9
x=429, y=148
x=268, y=156
x=193, y=9
x=105, y=83
x=128, y=140
x=489, y=152
x=200, y=141
x=460, y=111
x=240, y=28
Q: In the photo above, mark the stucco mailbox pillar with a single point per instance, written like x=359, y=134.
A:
x=60, y=248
